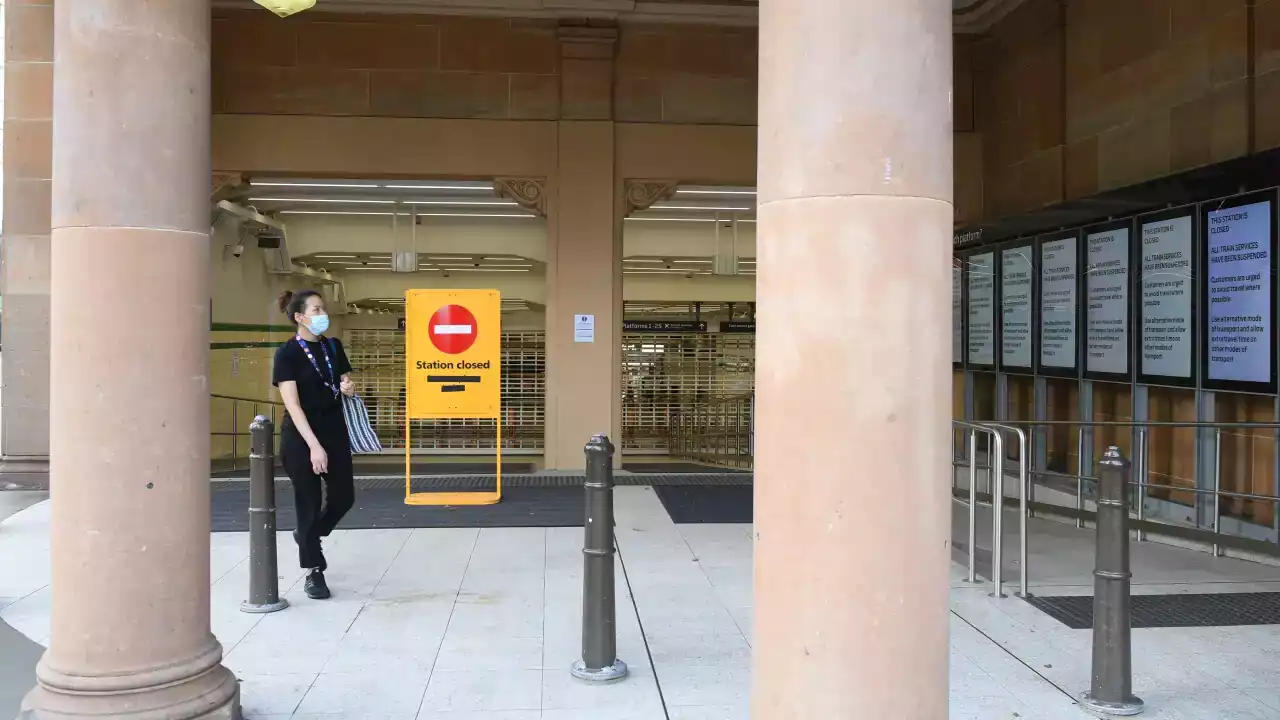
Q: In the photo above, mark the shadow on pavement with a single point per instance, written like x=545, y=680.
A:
x=18, y=655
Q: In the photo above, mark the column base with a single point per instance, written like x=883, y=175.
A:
x=24, y=473
x=1105, y=709
x=212, y=695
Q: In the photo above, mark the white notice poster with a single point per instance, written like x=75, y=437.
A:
x=982, y=299
x=1107, y=295
x=1015, y=305
x=1058, y=304
x=1166, y=298
x=957, y=314
x=1239, y=281
x=584, y=328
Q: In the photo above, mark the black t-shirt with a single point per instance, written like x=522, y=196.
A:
x=316, y=398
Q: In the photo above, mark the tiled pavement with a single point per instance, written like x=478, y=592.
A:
x=465, y=624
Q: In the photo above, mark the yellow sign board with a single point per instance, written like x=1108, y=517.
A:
x=453, y=354
x=453, y=365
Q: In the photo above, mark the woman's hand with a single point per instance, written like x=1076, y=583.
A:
x=348, y=387
x=319, y=460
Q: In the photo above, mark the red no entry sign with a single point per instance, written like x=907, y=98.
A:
x=453, y=329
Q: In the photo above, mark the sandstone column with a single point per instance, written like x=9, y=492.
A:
x=130, y=338
x=853, y=373
x=28, y=123
x=584, y=254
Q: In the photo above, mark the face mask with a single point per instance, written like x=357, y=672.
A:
x=318, y=324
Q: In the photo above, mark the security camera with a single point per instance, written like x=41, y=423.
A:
x=237, y=250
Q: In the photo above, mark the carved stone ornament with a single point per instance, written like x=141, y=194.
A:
x=285, y=8
x=642, y=194
x=224, y=184
x=529, y=193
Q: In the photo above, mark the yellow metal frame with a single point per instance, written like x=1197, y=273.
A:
x=472, y=498
x=483, y=497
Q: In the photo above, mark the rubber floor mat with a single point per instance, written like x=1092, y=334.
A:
x=678, y=467
x=691, y=505
x=385, y=508
x=1172, y=611
x=393, y=466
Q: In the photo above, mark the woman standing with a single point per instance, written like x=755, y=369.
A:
x=312, y=373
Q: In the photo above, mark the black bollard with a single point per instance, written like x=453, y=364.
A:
x=264, y=584
x=599, y=661
x=1111, y=690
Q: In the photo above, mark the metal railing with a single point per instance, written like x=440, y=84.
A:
x=717, y=432
x=234, y=414
x=995, y=452
x=1142, y=430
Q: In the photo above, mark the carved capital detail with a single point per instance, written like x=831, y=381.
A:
x=529, y=193
x=225, y=183
x=642, y=194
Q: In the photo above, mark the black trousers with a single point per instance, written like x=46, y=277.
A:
x=320, y=501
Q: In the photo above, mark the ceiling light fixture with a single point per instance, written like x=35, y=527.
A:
x=351, y=186
x=671, y=219
x=352, y=201
x=702, y=209
x=460, y=202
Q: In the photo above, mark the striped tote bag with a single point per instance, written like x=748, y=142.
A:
x=359, y=430
x=360, y=434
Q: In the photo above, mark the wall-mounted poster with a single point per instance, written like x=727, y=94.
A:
x=982, y=310
x=1166, y=298
x=957, y=312
x=1015, y=309
x=1239, y=295
x=1106, y=310
x=1059, y=288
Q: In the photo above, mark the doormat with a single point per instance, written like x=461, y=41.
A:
x=691, y=505
x=385, y=508
x=1172, y=611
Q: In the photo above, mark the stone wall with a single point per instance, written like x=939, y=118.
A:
x=472, y=68
x=1077, y=97
x=1266, y=96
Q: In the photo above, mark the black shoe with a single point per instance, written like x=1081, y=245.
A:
x=315, y=586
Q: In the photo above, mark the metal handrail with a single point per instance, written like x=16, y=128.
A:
x=260, y=401
x=997, y=503
x=1024, y=489
x=1142, y=459
x=236, y=432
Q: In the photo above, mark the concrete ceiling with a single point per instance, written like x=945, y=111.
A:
x=970, y=15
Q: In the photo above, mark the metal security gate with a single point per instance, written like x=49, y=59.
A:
x=378, y=359
x=668, y=375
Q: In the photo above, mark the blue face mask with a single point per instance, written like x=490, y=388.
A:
x=319, y=324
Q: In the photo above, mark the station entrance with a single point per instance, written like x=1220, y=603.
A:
x=686, y=346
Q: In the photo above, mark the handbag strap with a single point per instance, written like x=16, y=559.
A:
x=333, y=350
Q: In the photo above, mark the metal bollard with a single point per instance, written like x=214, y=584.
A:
x=264, y=585
x=1111, y=691
x=599, y=661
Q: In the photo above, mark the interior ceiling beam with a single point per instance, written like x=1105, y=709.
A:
x=711, y=12
x=970, y=16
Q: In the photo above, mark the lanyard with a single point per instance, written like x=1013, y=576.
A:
x=333, y=386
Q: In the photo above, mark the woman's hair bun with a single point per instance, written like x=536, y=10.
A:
x=283, y=301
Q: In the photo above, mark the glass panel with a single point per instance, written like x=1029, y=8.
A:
x=1171, y=452
x=1021, y=409
x=1247, y=464
x=1063, y=405
x=984, y=397
x=1112, y=402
